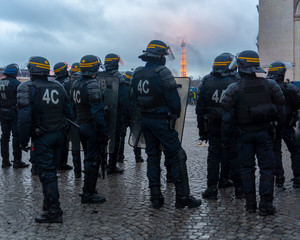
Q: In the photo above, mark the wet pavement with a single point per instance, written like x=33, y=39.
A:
x=127, y=213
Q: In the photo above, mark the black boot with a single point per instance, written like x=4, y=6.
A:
x=92, y=198
x=65, y=167
x=225, y=183
x=183, y=200
x=279, y=181
x=210, y=193
x=121, y=158
x=6, y=163
x=138, y=155
x=251, y=207
x=169, y=177
x=266, y=208
x=251, y=204
x=34, y=171
x=239, y=194
x=49, y=217
x=20, y=164
x=157, y=198
x=296, y=182
x=76, y=163
x=112, y=167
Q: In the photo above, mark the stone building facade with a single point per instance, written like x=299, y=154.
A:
x=279, y=34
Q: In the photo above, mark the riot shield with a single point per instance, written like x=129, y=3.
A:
x=136, y=137
x=109, y=86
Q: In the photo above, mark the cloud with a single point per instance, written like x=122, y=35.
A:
x=65, y=30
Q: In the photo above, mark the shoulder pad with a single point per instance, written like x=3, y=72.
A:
x=119, y=76
x=23, y=93
x=160, y=68
x=137, y=70
x=205, y=78
x=167, y=78
x=93, y=90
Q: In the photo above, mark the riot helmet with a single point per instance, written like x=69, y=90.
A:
x=222, y=62
x=11, y=70
x=277, y=68
x=248, y=62
x=38, y=66
x=111, y=62
x=128, y=76
x=89, y=65
x=155, y=49
x=75, y=68
x=60, y=69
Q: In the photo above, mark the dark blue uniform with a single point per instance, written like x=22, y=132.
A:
x=292, y=103
x=209, y=115
x=89, y=116
x=9, y=117
x=43, y=108
x=155, y=94
x=74, y=135
x=252, y=104
x=123, y=112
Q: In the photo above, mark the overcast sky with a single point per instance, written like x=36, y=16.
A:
x=66, y=30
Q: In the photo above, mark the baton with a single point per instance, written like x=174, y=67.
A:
x=73, y=123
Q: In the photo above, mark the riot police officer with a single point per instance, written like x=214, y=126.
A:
x=292, y=102
x=9, y=117
x=43, y=111
x=125, y=124
x=62, y=76
x=74, y=131
x=155, y=93
x=111, y=64
x=254, y=103
x=86, y=95
x=209, y=116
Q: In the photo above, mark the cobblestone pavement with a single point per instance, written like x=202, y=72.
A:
x=127, y=214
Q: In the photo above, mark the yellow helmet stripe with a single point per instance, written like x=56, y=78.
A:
x=126, y=75
x=75, y=69
x=155, y=45
x=223, y=62
x=253, y=61
x=275, y=68
x=220, y=64
x=41, y=65
x=57, y=70
x=88, y=64
x=247, y=58
x=110, y=59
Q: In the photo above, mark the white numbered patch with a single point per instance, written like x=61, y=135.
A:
x=2, y=89
x=215, y=97
x=51, y=96
x=143, y=87
x=76, y=96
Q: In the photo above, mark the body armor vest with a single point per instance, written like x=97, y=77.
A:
x=289, y=102
x=48, y=106
x=216, y=87
x=149, y=97
x=83, y=113
x=8, y=95
x=254, y=105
